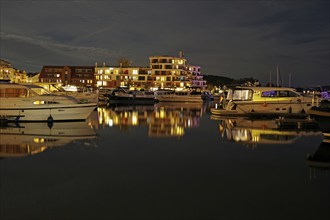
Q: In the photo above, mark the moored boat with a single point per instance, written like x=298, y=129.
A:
x=20, y=102
x=323, y=110
x=265, y=101
x=180, y=96
x=321, y=114
x=123, y=96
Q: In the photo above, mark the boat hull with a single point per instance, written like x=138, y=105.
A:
x=263, y=109
x=73, y=112
x=179, y=98
x=113, y=99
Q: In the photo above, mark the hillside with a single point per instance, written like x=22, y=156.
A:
x=213, y=80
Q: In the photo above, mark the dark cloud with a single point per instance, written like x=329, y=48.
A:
x=228, y=38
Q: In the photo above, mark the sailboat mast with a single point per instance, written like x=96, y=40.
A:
x=277, y=76
x=290, y=80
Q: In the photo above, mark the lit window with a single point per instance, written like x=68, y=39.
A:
x=39, y=102
x=38, y=140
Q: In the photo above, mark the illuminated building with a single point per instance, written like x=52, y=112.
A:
x=12, y=74
x=195, y=77
x=163, y=72
x=81, y=76
x=112, y=77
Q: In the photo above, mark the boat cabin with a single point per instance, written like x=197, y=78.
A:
x=262, y=93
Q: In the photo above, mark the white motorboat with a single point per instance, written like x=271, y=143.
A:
x=20, y=102
x=269, y=101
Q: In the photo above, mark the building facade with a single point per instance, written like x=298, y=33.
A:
x=115, y=76
x=80, y=76
x=195, y=77
x=163, y=72
x=7, y=72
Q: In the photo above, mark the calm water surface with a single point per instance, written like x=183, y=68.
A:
x=166, y=161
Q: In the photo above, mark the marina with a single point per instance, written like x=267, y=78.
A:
x=164, y=110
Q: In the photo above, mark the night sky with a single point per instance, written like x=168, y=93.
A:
x=235, y=39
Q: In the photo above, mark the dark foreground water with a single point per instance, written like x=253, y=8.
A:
x=166, y=161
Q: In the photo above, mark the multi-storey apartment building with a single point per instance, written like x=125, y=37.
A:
x=169, y=71
x=9, y=73
x=81, y=76
x=163, y=72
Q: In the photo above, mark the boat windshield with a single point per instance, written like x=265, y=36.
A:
x=38, y=90
x=242, y=94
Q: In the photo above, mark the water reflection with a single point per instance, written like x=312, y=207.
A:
x=254, y=132
x=19, y=140
x=162, y=119
x=320, y=159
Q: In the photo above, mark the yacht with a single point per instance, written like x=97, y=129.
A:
x=22, y=102
x=267, y=101
x=124, y=96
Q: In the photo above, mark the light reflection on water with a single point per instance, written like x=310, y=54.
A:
x=167, y=161
x=162, y=119
x=25, y=139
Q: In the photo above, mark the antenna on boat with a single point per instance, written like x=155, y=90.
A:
x=270, y=79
